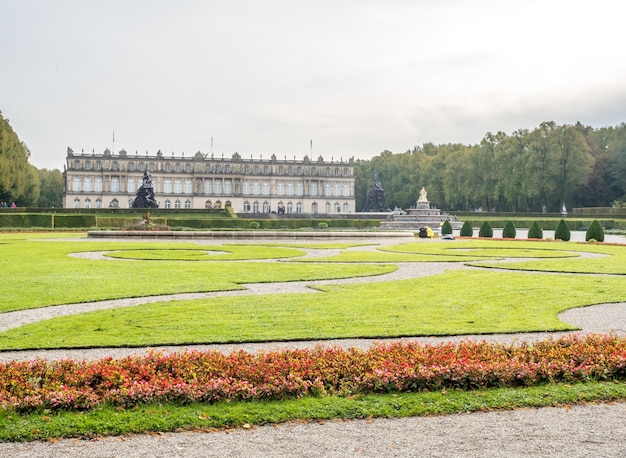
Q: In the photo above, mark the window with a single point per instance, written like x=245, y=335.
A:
x=76, y=184
x=228, y=187
x=152, y=167
x=280, y=188
x=188, y=168
x=142, y=166
x=299, y=189
x=246, y=188
x=246, y=206
x=178, y=187
x=115, y=184
x=299, y=208
x=98, y=165
x=280, y=170
x=115, y=165
x=313, y=170
x=327, y=207
x=246, y=169
x=114, y=204
x=207, y=187
x=337, y=208
x=346, y=207
x=98, y=185
x=167, y=186
x=298, y=170
x=177, y=167
x=187, y=204
x=130, y=185
x=168, y=204
x=218, y=168
x=346, y=172
x=327, y=171
x=336, y=171
x=87, y=184
x=266, y=188
x=131, y=166
x=290, y=188
x=218, y=204
x=130, y=203
x=289, y=208
x=218, y=186
x=346, y=190
x=87, y=165
x=255, y=188
x=207, y=168
x=168, y=167
x=327, y=189
x=227, y=168
x=188, y=186
x=76, y=165
x=177, y=204
x=314, y=208
x=77, y=203
x=290, y=170
x=266, y=170
x=336, y=189
x=98, y=203
x=255, y=207
x=208, y=204
x=266, y=207
x=313, y=188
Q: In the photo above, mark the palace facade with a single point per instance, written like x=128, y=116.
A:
x=110, y=180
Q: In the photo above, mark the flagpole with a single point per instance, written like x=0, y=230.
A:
x=113, y=152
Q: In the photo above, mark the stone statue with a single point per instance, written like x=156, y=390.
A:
x=145, y=194
x=423, y=196
x=376, y=200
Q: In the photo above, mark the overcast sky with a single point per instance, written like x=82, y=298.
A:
x=266, y=77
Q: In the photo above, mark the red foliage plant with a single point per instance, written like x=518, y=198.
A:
x=211, y=376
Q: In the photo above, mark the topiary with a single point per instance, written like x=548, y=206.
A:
x=467, y=230
x=254, y=225
x=509, y=231
x=322, y=225
x=446, y=228
x=595, y=232
x=562, y=231
x=485, y=230
x=535, y=231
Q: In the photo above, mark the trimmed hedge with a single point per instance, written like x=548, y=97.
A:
x=535, y=231
x=595, y=232
x=485, y=230
x=446, y=228
x=509, y=231
x=467, y=230
x=562, y=231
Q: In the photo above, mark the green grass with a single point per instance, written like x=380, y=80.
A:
x=171, y=417
x=436, y=305
x=41, y=272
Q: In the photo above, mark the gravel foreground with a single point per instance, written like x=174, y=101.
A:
x=576, y=431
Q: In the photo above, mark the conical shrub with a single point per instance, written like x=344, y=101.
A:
x=467, y=230
x=595, y=232
x=446, y=228
x=509, y=231
x=535, y=231
x=485, y=230
x=562, y=231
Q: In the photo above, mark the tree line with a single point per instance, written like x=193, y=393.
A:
x=528, y=171
x=20, y=181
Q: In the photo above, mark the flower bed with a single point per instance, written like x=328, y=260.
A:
x=212, y=376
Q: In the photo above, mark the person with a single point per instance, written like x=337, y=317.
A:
x=13, y=205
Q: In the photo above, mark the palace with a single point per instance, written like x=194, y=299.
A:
x=110, y=180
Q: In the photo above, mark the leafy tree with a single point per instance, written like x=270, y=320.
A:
x=509, y=231
x=50, y=188
x=535, y=231
x=467, y=230
x=446, y=228
x=485, y=230
x=562, y=231
x=595, y=232
x=19, y=182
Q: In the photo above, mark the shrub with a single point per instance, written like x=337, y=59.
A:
x=595, y=232
x=254, y=225
x=535, y=231
x=466, y=230
x=562, y=231
x=446, y=228
x=509, y=231
x=485, y=230
x=322, y=225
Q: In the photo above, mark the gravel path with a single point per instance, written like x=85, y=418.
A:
x=579, y=431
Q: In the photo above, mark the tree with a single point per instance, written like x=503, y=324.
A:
x=485, y=230
x=446, y=228
x=535, y=231
x=509, y=231
x=50, y=188
x=18, y=179
x=562, y=231
x=594, y=232
x=467, y=230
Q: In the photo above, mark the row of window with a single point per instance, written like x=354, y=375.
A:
x=255, y=188
x=255, y=207
x=214, y=168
